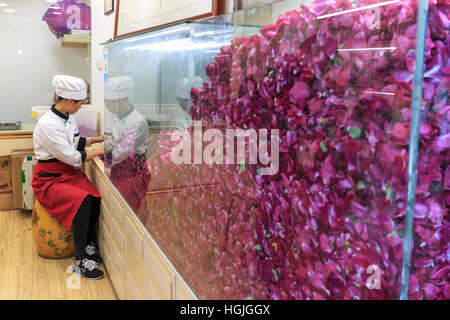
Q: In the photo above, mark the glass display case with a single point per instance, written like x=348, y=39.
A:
x=297, y=152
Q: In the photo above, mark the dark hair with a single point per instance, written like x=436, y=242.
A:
x=76, y=101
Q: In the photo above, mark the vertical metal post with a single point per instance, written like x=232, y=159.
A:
x=414, y=145
x=237, y=5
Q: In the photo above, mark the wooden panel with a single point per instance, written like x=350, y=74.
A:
x=105, y=189
x=87, y=171
x=135, y=265
x=73, y=45
x=117, y=260
x=94, y=175
x=183, y=292
x=117, y=211
x=159, y=277
x=105, y=214
x=99, y=232
x=106, y=255
x=132, y=292
x=117, y=235
x=134, y=234
x=106, y=239
x=7, y=144
x=100, y=187
x=117, y=282
x=75, y=39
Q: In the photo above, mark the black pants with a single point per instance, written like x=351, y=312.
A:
x=84, y=224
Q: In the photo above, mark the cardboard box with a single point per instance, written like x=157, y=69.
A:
x=6, y=186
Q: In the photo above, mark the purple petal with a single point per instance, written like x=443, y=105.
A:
x=420, y=211
x=442, y=143
x=299, y=91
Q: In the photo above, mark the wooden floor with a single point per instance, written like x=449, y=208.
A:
x=26, y=275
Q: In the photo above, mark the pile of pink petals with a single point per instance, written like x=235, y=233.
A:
x=131, y=178
x=194, y=204
x=333, y=216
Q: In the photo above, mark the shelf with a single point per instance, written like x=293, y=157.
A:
x=70, y=41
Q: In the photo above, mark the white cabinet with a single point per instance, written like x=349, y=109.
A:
x=137, y=267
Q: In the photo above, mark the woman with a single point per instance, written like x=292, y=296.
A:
x=58, y=182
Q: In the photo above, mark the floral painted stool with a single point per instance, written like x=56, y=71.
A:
x=51, y=238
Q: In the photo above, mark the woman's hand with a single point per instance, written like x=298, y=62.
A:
x=99, y=150
x=98, y=139
x=90, y=141
x=94, y=153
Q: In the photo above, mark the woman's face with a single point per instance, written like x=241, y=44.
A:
x=112, y=105
x=73, y=106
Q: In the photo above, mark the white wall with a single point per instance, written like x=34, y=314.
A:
x=30, y=55
x=102, y=30
x=229, y=6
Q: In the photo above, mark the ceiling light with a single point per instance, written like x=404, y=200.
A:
x=357, y=9
x=367, y=49
x=9, y=10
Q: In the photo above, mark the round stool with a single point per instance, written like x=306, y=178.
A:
x=51, y=238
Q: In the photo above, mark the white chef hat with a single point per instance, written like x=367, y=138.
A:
x=117, y=88
x=69, y=87
x=184, y=86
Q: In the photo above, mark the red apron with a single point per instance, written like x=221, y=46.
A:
x=61, y=195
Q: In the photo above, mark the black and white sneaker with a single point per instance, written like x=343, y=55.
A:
x=88, y=269
x=93, y=254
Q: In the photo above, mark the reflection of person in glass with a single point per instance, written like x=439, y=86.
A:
x=183, y=94
x=126, y=142
x=183, y=91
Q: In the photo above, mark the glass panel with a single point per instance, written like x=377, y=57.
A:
x=431, y=252
x=248, y=4
x=318, y=91
x=31, y=54
x=139, y=15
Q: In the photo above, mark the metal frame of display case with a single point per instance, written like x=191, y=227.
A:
x=414, y=145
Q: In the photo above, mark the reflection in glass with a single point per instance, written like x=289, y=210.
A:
x=335, y=78
x=126, y=141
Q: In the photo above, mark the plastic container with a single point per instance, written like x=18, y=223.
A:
x=86, y=118
x=39, y=111
x=14, y=125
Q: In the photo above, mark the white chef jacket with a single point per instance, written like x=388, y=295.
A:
x=56, y=136
x=129, y=134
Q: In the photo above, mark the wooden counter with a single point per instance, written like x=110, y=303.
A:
x=16, y=140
